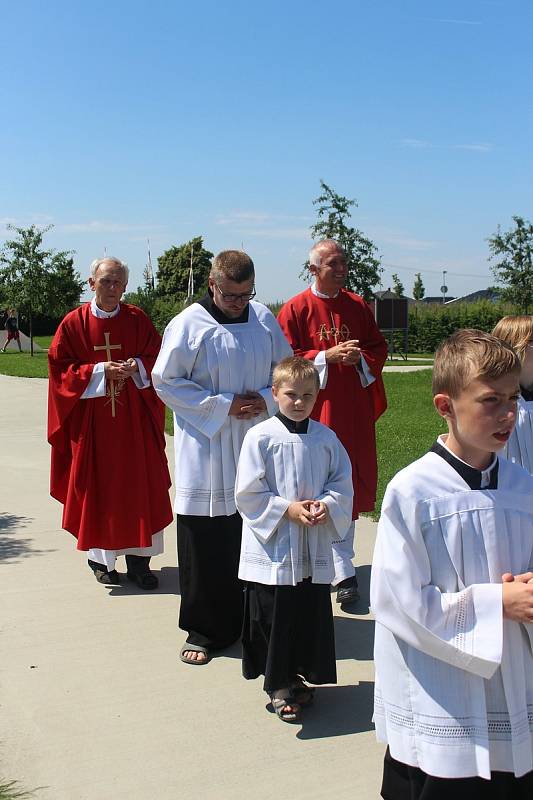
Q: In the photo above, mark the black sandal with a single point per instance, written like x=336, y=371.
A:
x=139, y=572
x=103, y=575
x=282, y=698
x=303, y=694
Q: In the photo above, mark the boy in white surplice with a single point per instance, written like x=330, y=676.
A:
x=452, y=593
x=294, y=493
x=518, y=332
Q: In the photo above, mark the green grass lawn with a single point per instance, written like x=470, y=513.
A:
x=399, y=362
x=43, y=341
x=22, y=365
x=405, y=432
x=407, y=429
x=9, y=791
x=409, y=426
x=169, y=421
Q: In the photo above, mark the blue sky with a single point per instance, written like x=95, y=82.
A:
x=124, y=121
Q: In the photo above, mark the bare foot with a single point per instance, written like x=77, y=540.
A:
x=194, y=655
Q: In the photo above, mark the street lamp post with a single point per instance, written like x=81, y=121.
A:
x=444, y=288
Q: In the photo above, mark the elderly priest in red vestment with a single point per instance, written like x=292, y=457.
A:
x=336, y=329
x=106, y=428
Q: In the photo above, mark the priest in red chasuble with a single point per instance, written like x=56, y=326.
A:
x=106, y=428
x=336, y=329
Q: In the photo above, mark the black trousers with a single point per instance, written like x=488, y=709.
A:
x=211, y=594
x=288, y=631
x=402, y=782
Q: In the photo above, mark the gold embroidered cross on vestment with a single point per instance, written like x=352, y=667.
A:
x=113, y=390
x=341, y=334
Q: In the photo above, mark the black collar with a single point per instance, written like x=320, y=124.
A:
x=208, y=303
x=527, y=394
x=470, y=475
x=291, y=425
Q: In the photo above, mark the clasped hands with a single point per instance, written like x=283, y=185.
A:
x=517, y=596
x=120, y=370
x=308, y=512
x=347, y=352
x=247, y=405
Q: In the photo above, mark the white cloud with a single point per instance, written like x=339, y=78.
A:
x=457, y=21
x=280, y=233
x=399, y=239
x=409, y=242
x=416, y=143
x=479, y=147
x=423, y=144
x=106, y=226
x=242, y=218
x=265, y=225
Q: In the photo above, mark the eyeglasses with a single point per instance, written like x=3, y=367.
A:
x=232, y=298
x=109, y=284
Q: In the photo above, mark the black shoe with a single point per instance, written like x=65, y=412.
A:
x=139, y=572
x=348, y=591
x=102, y=575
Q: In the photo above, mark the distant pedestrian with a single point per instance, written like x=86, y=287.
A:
x=12, y=328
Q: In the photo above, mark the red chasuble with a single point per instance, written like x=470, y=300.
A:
x=311, y=324
x=110, y=473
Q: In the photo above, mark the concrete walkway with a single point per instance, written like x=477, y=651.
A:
x=95, y=704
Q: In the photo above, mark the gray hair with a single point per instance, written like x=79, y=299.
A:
x=109, y=260
x=324, y=244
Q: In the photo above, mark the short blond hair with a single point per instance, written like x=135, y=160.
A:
x=295, y=368
x=468, y=354
x=516, y=331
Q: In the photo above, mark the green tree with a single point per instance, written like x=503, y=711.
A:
x=65, y=285
x=333, y=213
x=419, y=289
x=34, y=280
x=512, y=252
x=145, y=296
x=397, y=286
x=174, y=267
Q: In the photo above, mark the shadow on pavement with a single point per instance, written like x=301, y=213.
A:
x=12, y=546
x=354, y=638
x=339, y=711
x=233, y=651
x=168, y=584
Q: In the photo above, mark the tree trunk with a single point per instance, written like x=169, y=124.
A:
x=31, y=333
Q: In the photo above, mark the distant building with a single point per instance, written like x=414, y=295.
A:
x=492, y=295
x=437, y=300
x=388, y=294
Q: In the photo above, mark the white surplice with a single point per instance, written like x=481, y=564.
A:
x=454, y=679
x=519, y=448
x=277, y=467
x=201, y=366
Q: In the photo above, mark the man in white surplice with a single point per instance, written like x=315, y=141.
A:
x=214, y=372
x=450, y=593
